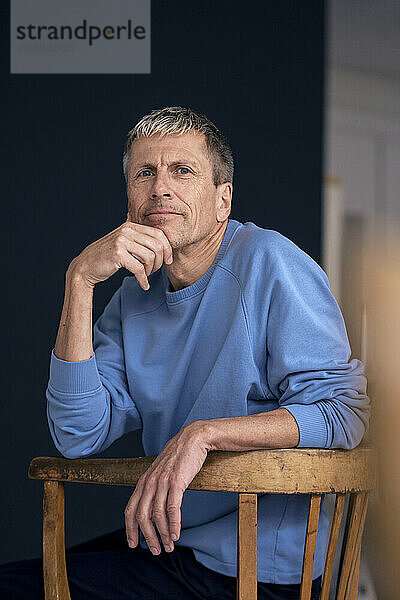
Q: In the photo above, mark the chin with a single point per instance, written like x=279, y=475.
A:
x=177, y=239
x=171, y=235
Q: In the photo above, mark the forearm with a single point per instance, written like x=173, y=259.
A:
x=274, y=429
x=74, y=337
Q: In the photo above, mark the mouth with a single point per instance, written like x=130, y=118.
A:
x=161, y=212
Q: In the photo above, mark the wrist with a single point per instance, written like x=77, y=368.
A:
x=75, y=278
x=201, y=432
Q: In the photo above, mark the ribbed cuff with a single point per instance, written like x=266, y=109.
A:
x=311, y=424
x=74, y=377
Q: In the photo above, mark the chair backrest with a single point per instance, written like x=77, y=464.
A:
x=295, y=471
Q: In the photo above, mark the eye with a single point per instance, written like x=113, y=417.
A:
x=184, y=169
x=145, y=173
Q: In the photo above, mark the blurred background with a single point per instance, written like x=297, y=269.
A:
x=308, y=93
x=361, y=243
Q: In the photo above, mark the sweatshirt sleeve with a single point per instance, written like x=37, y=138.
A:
x=308, y=366
x=88, y=402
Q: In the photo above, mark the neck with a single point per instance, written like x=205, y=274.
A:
x=193, y=261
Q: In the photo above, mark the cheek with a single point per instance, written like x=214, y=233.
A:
x=136, y=197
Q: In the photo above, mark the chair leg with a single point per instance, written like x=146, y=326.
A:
x=54, y=567
x=352, y=588
x=309, y=547
x=331, y=550
x=246, y=582
x=349, y=565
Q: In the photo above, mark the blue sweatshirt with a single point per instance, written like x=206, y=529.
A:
x=258, y=331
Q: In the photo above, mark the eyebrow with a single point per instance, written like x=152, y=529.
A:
x=182, y=161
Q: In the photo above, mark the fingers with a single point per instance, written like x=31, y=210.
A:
x=143, y=252
x=174, y=503
x=159, y=515
x=137, y=513
x=137, y=268
x=131, y=524
x=143, y=516
x=149, y=504
x=151, y=258
x=149, y=532
x=151, y=237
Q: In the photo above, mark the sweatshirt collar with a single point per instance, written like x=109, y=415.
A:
x=200, y=284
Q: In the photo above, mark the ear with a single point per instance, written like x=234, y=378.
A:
x=224, y=201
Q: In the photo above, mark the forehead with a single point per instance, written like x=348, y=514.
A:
x=190, y=146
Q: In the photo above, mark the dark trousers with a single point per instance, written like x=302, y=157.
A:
x=107, y=569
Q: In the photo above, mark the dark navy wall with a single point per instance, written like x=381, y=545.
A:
x=255, y=69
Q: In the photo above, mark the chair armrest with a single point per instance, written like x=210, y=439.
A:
x=283, y=471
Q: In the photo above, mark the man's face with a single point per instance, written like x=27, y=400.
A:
x=173, y=173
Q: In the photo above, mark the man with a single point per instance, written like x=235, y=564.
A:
x=226, y=337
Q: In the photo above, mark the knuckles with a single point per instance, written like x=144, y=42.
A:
x=152, y=479
x=118, y=252
x=141, y=517
x=158, y=246
x=141, y=268
x=126, y=228
x=158, y=514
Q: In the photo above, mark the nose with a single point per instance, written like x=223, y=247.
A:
x=161, y=185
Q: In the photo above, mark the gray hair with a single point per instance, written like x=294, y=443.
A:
x=178, y=120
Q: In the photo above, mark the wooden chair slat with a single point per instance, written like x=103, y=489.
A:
x=309, y=547
x=352, y=588
x=355, y=520
x=333, y=539
x=54, y=567
x=246, y=582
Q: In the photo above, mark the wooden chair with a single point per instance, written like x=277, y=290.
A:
x=287, y=471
